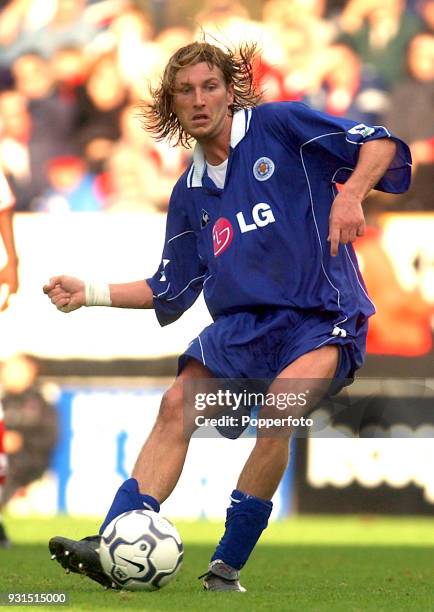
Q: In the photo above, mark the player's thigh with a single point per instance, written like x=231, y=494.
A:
x=318, y=364
x=193, y=369
x=301, y=384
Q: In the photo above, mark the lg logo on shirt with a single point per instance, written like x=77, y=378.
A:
x=223, y=232
x=262, y=215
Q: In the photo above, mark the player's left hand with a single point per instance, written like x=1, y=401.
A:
x=9, y=280
x=346, y=221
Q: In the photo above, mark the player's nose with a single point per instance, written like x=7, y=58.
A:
x=198, y=97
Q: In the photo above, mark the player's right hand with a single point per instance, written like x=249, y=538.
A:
x=67, y=293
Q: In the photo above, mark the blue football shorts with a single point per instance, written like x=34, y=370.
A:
x=260, y=344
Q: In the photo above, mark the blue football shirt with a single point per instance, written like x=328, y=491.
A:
x=261, y=241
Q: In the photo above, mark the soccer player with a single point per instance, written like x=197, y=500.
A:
x=257, y=223
x=8, y=285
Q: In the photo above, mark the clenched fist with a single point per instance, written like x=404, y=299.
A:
x=67, y=293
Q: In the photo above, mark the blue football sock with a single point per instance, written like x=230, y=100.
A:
x=128, y=497
x=246, y=519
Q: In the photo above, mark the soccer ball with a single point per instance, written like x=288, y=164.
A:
x=141, y=551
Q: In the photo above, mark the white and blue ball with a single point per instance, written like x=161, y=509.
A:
x=141, y=550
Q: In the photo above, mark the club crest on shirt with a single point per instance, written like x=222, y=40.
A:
x=205, y=219
x=263, y=168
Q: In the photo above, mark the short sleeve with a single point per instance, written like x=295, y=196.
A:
x=335, y=142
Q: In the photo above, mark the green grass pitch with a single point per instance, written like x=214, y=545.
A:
x=324, y=564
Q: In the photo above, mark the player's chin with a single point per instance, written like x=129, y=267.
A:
x=199, y=131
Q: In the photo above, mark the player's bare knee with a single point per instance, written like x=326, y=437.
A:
x=171, y=407
x=173, y=420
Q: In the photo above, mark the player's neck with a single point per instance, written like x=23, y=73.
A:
x=216, y=148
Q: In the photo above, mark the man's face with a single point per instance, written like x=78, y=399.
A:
x=201, y=100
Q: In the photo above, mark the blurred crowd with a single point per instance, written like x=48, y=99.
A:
x=31, y=424
x=74, y=74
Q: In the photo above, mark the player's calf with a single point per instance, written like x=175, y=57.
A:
x=246, y=519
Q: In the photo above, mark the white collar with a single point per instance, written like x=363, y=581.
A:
x=239, y=128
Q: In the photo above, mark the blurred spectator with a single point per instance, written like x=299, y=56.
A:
x=15, y=126
x=296, y=49
x=411, y=116
x=44, y=27
x=68, y=65
x=170, y=40
x=129, y=36
x=72, y=188
x=19, y=19
x=141, y=55
x=68, y=26
x=30, y=422
x=167, y=42
x=290, y=13
x=226, y=22
x=181, y=14
x=134, y=32
x=348, y=89
x=52, y=116
x=146, y=69
x=139, y=177
x=379, y=31
x=51, y=123
x=18, y=153
x=411, y=112
x=100, y=101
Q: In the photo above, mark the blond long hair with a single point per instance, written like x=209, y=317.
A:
x=236, y=67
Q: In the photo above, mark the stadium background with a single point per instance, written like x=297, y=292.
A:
x=81, y=392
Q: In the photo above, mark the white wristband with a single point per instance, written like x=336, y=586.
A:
x=97, y=294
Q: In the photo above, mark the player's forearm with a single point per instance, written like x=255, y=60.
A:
x=7, y=234
x=137, y=294
x=374, y=159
